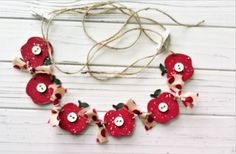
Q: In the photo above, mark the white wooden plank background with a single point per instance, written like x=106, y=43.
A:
x=208, y=129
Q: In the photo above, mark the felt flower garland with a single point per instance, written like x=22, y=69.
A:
x=44, y=88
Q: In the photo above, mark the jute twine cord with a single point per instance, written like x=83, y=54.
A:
x=99, y=8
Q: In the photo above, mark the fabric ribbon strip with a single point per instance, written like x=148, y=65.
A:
x=188, y=99
x=94, y=119
x=57, y=91
x=146, y=118
x=54, y=119
x=176, y=83
x=20, y=64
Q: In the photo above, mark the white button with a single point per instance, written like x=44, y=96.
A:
x=41, y=87
x=179, y=67
x=36, y=50
x=119, y=121
x=163, y=107
x=72, y=117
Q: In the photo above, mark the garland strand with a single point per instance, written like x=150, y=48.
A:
x=44, y=87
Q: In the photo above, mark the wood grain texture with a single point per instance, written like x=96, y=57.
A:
x=216, y=93
x=213, y=47
x=208, y=129
x=216, y=12
x=183, y=135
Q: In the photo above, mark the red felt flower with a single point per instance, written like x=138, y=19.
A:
x=119, y=122
x=35, y=51
x=38, y=88
x=179, y=64
x=71, y=120
x=164, y=107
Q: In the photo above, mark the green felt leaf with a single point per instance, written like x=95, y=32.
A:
x=156, y=93
x=163, y=69
x=83, y=104
x=118, y=106
x=47, y=61
x=57, y=81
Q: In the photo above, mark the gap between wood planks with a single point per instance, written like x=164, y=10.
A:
x=20, y=14
x=114, y=22
x=100, y=65
x=152, y=2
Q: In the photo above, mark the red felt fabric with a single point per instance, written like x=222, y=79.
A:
x=37, y=97
x=76, y=127
x=126, y=129
x=172, y=59
x=28, y=56
x=173, y=108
